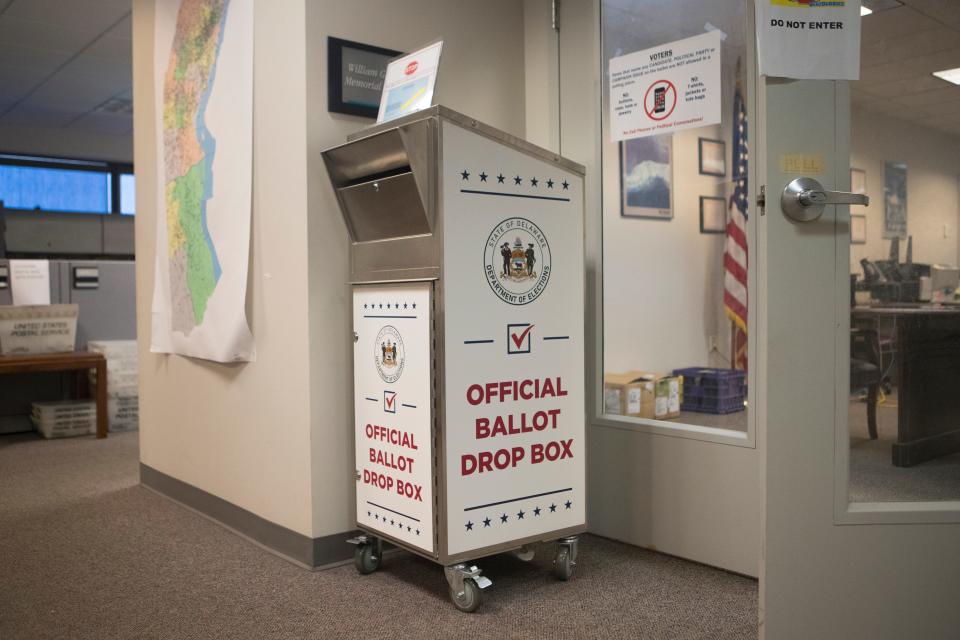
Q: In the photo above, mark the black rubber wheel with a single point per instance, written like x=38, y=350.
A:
x=471, y=598
x=562, y=567
x=365, y=559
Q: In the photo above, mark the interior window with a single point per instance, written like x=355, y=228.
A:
x=676, y=247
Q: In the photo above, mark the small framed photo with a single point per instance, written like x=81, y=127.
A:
x=713, y=214
x=858, y=181
x=646, y=178
x=713, y=157
x=858, y=229
x=355, y=73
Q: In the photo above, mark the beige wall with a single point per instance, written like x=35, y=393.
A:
x=481, y=74
x=933, y=187
x=275, y=436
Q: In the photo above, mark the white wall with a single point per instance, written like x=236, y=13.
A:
x=933, y=187
x=275, y=436
x=482, y=75
x=241, y=432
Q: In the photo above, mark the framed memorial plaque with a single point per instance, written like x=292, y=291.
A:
x=355, y=73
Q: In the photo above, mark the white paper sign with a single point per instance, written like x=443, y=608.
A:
x=809, y=39
x=409, y=82
x=392, y=406
x=30, y=281
x=514, y=350
x=667, y=88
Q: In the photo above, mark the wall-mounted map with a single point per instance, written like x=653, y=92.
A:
x=203, y=80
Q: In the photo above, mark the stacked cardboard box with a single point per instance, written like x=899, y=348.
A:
x=64, y=418
x=123, y=407
x=642, y=394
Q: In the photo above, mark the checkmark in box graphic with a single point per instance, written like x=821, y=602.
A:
x=518, y=338
x=390, y=401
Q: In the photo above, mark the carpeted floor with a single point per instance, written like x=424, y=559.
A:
x=87, y=553
x=873, y=478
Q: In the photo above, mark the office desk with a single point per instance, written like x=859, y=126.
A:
x=927, y=358
x=79, y=361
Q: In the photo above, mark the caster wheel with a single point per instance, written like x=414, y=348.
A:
x=562, y=567
x=365, y=559
x=471, y=598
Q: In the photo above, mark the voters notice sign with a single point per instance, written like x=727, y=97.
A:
x=392, y=364
x=667, y=88
x=809, y=39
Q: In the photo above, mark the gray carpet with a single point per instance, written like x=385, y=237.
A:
x=873, y=478
x=87, y=553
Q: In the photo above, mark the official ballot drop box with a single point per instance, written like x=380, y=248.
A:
x=467, y=269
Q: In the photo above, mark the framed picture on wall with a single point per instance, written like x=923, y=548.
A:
x=858, y=181
x=894, y=200
x=355, y=74
x=858, y=229
x=646, y=177
x=713, y=157
x=713, y=214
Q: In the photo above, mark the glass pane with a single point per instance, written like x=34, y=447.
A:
x=54, y=189
x=675, y=235
x=904, y=410
x=128, y=194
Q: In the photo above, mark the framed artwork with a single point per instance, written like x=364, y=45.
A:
x=355, y=74
x=646, y=177
x=713, y=214
x=894, y=200
x=713, y=157
x=858, y=181
x=858, y=229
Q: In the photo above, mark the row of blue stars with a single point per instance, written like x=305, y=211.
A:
x=393, y=522
x=394, y=305
x=517, y=180
x=504, y=518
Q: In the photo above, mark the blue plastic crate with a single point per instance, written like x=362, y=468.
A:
x=711, y=390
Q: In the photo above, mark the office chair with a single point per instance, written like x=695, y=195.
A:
x=866, y=371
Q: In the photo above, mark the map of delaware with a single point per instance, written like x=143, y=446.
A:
x=188, y=153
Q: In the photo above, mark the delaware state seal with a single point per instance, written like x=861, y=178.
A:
x=516, y=261
x=389, y=354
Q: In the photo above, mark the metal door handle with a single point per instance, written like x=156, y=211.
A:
x=803, y=199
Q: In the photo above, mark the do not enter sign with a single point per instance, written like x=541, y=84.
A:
x=660, y=100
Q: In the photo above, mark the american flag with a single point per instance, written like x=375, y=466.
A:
x=735, y=253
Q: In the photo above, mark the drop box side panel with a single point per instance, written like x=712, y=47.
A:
x=514, y=350
x=392, y=362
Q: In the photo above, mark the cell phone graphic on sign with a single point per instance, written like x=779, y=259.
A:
x=659, y=99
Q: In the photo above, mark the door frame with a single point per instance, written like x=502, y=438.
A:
x=681, y=507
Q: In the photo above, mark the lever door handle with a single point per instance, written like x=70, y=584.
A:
x=803, y=199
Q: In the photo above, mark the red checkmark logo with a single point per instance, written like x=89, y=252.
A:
x=389, y=400
x=518, y=339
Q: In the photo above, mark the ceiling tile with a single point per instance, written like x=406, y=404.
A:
x=40, y=35
x=111, y=48
x=115, y=125
x=945, y=11
x=949, y=93
x=27, y=116
x=97, y=15
x=908, y=86
x=896, y=49
x=73, y=91
x=895, y=23
x=39, y=61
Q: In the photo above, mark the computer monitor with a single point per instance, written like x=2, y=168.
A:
x=944, y=278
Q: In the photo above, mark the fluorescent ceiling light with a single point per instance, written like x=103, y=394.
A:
x=864, y=11
x=950, y=75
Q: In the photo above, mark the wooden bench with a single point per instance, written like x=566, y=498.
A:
x=66, y=361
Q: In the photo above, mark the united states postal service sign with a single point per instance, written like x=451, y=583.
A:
x=392, y=368
x=514, y=410
x=809, y=39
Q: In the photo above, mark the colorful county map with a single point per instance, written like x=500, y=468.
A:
x=188, y=155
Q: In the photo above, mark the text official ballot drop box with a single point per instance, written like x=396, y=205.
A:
x=468, y=286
